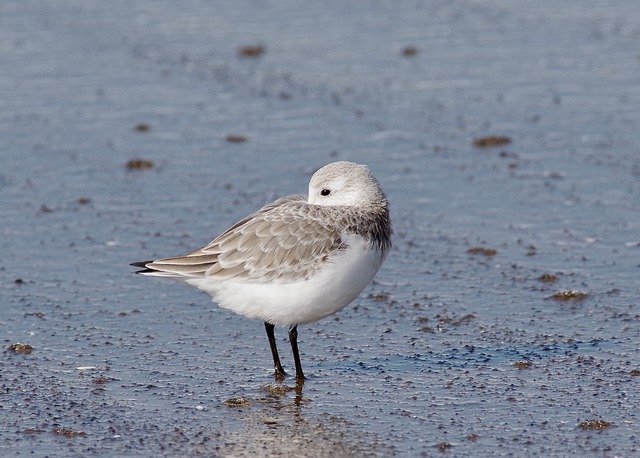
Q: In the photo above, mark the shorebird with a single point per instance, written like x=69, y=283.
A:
x=296, y=260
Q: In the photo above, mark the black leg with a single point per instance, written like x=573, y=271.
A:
x=274, y=350
x=293, y=338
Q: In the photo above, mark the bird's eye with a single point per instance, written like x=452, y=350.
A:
x=325, y=192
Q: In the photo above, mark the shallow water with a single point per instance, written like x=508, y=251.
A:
x=448, y=350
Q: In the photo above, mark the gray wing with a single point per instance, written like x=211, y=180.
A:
x=286, y=240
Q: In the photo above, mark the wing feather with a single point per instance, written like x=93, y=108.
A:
x=286, y=240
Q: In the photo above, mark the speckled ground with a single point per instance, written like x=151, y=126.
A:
x=506, y=320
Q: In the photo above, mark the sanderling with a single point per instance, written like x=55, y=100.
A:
x=296, y=260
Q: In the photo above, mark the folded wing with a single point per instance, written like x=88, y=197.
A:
x=284, y=241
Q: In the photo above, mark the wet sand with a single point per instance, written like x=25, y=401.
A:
x=505, y=321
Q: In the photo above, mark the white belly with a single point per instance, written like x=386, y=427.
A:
x=305, y=301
